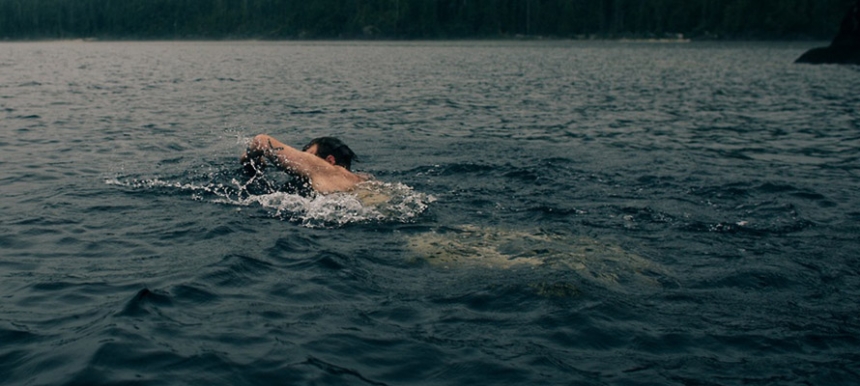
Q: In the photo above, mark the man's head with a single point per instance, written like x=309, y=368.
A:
x=331, y=149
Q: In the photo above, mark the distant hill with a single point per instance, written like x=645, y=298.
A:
x=845, y=47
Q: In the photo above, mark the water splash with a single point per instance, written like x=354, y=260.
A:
x=372, y=201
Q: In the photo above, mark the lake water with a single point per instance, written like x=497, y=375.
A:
x=576, y=213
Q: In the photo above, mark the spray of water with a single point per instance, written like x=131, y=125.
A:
x=372, y=201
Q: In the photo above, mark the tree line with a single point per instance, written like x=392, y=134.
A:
x=419, y=19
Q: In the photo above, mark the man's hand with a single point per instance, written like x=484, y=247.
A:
x=253, y=160
x=252, y=165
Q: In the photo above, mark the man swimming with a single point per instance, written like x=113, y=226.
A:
x=325, y=162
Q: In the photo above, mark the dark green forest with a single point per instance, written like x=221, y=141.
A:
x=419, y=19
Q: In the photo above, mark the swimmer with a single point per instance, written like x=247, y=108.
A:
x=325, y=162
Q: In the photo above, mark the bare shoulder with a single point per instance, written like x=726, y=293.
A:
x=335, y=179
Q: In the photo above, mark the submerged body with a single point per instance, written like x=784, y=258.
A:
x=602, y=263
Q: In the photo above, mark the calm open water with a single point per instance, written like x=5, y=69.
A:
x=703, y=200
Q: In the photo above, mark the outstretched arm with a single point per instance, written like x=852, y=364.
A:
x=282, y=155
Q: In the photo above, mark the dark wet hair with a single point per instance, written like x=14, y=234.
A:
x=327, y=146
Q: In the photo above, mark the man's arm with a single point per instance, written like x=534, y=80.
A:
x=285, y=157
x=324, y=176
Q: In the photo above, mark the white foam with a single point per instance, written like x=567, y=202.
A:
x=373, y=202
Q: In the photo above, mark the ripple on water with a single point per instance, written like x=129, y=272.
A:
x=721, y=167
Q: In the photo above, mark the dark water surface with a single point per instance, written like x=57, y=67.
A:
x=677, y=214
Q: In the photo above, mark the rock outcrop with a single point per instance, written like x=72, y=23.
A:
x=845, y=48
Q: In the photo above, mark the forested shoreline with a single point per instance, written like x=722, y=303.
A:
x=419, y=19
